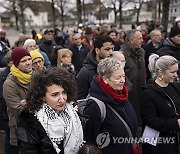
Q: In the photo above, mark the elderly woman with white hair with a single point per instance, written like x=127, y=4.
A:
x=161, y=107
x=120, y=121
x=30, y=45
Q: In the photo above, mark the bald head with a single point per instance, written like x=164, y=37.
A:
x=119, y=56
x=155, y=36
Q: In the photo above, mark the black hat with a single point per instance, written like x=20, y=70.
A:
x=48, y=31
x=175, y=30
x=88, y=30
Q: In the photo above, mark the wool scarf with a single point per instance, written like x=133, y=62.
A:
x=119, y=96
x=24, y=78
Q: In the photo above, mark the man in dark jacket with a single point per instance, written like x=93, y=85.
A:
x=171, y=45
x=151, y=47
x=3, y=108
x=103, y=48
x=47, y=44
x=135, y=67
x=79, y=51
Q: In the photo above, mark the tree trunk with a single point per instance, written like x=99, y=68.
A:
x=120, y=14
x=159, y=10
x=79, y=11
x=22, y=21
x=165, y=13
x=16, y=21
x=53, y=14
x=62, y=16
x=138, y=11
x=15, y=14
x=84, y=12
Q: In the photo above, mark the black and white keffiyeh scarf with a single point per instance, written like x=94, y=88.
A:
x=63, y=127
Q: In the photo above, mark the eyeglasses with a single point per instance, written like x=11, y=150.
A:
x=32, y=46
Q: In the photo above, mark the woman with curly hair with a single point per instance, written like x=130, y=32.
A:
x=49, y=124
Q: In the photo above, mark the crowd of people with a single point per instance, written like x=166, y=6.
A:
x=131, y=77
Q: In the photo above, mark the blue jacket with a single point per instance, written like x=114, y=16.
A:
x=47, y=62
x=111, y=128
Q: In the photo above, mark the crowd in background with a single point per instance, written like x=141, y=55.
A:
x=86, y=54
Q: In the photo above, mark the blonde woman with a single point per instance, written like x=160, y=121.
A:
x=64, y=60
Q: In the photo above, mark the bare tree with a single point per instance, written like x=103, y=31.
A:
x=165, y=13
x=140, y=3
x=53, y=14
x=11, y=5
x=83, y=9
x=159, y=10
x=79, y=11
x=61, y=4
x=21, y=4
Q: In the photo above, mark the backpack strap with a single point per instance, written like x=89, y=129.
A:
x=101, y=106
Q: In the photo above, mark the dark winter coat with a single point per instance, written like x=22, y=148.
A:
x=47, y=46
x=111, y=127
x=3, y=108
x=135, y=71
x=78, y=56
x=149, y=49
x=32, y=138
x=86, y=74
x=158, y=113
x=169, y=48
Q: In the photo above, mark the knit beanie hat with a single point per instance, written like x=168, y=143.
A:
x=26, y=43
x=17, y=54
x=175, y=30
x=36, y=54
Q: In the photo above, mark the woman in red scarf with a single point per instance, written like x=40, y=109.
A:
x=111, y=134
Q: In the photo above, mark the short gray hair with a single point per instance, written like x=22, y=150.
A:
x=153, y=32
x=160, y=63
x=130, y=34
x=107, y=66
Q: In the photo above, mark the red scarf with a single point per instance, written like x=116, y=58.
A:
x=122, y=96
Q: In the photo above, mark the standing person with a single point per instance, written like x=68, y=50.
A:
x=108, y=86
x=47, y=44
x=135, y=67
x=65, y=60
x=37, y=60
x=151, y=47
x=30, y=45
x=88, y=38
x=50, y=120
x=119, y=56
x=103, y=48
x=160, y=105
x=79, y=51
x=15, y=89
x=171, y=45
x=4, y=120
x=113, y=34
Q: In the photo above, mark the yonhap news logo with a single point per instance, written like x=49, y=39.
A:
x=104, y=139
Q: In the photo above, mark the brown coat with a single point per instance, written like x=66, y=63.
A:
x=13, y=93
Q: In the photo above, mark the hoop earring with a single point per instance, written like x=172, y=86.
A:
x=160, y=78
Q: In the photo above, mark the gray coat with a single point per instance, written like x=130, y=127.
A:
x=13, y=93
x=135, y=71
